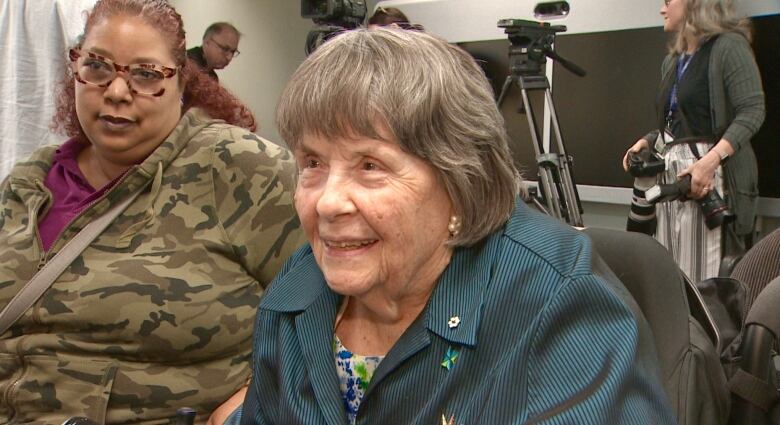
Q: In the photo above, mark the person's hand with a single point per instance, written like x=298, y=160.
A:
x=638, y=146
x=223, y=412
x=702, y=174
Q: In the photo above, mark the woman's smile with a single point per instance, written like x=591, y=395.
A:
x=347, y=245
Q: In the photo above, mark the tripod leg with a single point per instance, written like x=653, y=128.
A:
x=569, y=190
x=504, y=90
x=535, y=199
x=546, y=179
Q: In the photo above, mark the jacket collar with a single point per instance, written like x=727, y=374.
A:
x=457, y=299
x=454, y=310
x=26, y=177
x=190, y=124
x=297, y=289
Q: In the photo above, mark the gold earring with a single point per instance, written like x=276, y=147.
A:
x=454, y=226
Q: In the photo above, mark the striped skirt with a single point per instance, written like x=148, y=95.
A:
x=681, y=226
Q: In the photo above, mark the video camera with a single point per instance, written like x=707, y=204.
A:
x=531, y=46
x=645, y=167
x=331, y=17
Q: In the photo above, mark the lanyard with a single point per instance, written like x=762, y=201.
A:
x=682, y=65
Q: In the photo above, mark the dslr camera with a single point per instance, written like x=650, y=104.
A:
x=645, y=166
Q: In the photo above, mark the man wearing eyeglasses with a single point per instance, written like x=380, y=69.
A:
x=220, y=46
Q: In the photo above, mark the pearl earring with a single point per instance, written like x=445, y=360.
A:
x=454, y=226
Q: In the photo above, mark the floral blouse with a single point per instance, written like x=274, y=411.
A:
x=354, y=372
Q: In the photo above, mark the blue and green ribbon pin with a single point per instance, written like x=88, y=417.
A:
x=449, y=358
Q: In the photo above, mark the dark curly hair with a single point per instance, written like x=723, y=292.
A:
x=199, y=89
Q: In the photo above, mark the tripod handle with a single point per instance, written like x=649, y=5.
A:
x=571, y=66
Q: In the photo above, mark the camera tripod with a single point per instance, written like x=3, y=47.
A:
x=555, y=175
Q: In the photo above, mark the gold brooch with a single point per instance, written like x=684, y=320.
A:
x=444, y=420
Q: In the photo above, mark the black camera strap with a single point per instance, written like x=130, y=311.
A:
x=694, y=149
x=691, y=141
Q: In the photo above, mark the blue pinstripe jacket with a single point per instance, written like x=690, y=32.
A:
x=542, y=339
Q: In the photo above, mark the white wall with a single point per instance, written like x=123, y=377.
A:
x=272, y=47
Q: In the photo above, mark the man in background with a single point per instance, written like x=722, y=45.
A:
x=384, y=16
x=219, y=47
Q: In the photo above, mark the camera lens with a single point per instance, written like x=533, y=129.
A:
x=715, y=210
x=641, y=216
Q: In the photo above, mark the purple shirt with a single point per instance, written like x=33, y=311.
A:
x=71, y=193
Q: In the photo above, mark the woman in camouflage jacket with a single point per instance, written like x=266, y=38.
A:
x=157, y=312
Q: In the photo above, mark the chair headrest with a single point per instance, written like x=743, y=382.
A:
x=764, y=310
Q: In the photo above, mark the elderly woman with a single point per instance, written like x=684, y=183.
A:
x=427, y=293
x=156, y=313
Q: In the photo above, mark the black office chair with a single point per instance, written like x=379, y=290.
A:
x=759, y=266
x=748, y=358
x=691, y=373
x=754, y=387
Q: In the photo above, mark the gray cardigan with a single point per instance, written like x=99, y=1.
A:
x=737, y=111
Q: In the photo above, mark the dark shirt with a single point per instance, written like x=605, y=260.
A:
x=692, y=117
x=71, y=193
x=196, y=54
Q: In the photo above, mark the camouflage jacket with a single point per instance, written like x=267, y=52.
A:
x=157, y=313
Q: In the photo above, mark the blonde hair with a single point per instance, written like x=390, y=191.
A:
x=421, y=92
x=707, y=18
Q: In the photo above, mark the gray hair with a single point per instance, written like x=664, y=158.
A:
x=707, y=18
x=428, y=96
x=219, y=28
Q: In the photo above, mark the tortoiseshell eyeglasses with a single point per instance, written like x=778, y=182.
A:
x=142, y=78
